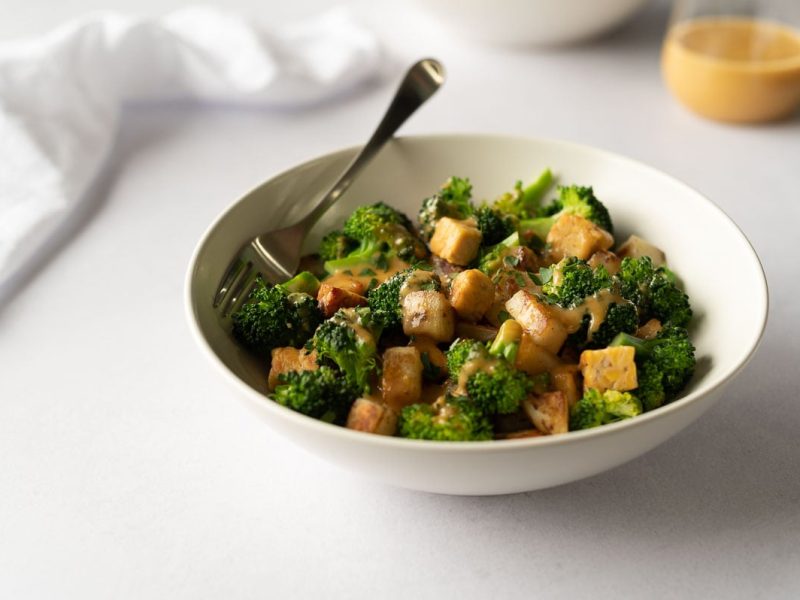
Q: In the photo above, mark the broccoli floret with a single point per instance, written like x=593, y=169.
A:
x=322, y=394
x=336, y=245
x=572, y=280
x=575, y=200
x=273, y=317
x=506, y=342
x=525, y=202
x=493, y=258
x=654, y=292
x=446, y=420
x=349, y=339
x=304, y=282
x=620, y=318
x=598, y=408
x=381, y=233
x=384, y=301
x=494, y=225
x=452, y=200
x=496, y=386
x=664, y=364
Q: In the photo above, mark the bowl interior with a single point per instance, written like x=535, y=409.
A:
x=705, y=248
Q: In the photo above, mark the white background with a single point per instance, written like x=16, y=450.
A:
x=128, y=469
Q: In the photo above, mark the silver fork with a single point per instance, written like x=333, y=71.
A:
x=275, y=255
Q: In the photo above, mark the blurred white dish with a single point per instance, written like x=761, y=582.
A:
x=520, y=22
x=693, y=232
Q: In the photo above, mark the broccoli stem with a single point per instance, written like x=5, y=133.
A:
x=532, y=195
x=303, y=282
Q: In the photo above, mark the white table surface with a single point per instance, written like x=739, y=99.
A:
x=128, y=469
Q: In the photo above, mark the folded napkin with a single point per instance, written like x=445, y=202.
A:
x=61, y=96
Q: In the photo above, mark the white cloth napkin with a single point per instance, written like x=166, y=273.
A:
x=61, y=96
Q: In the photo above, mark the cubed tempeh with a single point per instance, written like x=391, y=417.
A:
x=401, y=380
x=428, y=313
x=609, y=369
x=636, y=247
x=456, y=241
x=372, y=416
x=572, y=235
x=471, y=294
x=549, y=412
x=285, y=360
x=565, y=379
x=538, y=320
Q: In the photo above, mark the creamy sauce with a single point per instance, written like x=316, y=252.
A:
x=365, y=272
x=596, y=306
x=734, y=69
x=418, y=280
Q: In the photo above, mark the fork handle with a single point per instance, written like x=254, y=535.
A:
x=420, y=83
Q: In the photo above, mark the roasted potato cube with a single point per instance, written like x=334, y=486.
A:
x=456, y=241
x=538, y=320
x=472, y=331
x=332, y=298
x=471, y=294
x=532, y=358
x=649, y=330
x=346, y=282
x=428, y=313
x=401, y=380
x=607, y=259
x=549, y=412
x=564, y=378
x=636, y=247
x=285, y=360
x=372, y=416
x=572, y=235
x=434, y=362
x=609, y=369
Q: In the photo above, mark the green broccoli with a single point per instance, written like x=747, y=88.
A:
x=385, y=301
x=452, y=200
x=495, y=386
x=336, y=245
x=571, y=281
x=598, y=408
x=525, y=202
x=654, y=292
x=304, y=282
x=322, y=394
x=273, y=317
x=664, y=364
x=349, y=339
x=506, y=342
x=448, y=419
x=381, y=233
x=494, y=257
x=575, y=200
x=494, y=225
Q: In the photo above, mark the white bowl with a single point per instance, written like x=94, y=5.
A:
x=520, y=22
x=719, y=269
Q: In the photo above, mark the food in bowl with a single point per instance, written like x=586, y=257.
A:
x=485, y=321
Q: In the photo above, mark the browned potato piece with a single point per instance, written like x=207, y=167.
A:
x=428, y=313
x=456, y=241
x=428, y=350
x=607, y=259
x=332, y=299
x=565, y=379
x=471, y=331
x=572, y=235
x=649, y=330
x=549, y=412
x=372, y=416
x=289, y=359
x=609, y=369
x=636, y=247
x=538, y=320
x=471, y=294
x=401, y=380
x=533, y=359
x=346, y=282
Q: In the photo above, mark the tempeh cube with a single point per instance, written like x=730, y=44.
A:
x=636, y=247
x=549, y=412
x=401, y=380
x=428, y=313
x=609, y=369
x=332, y=298
x=572, y=235
x=285, y=360
x=372, y=416
x=456, y=241
x=471, y=294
